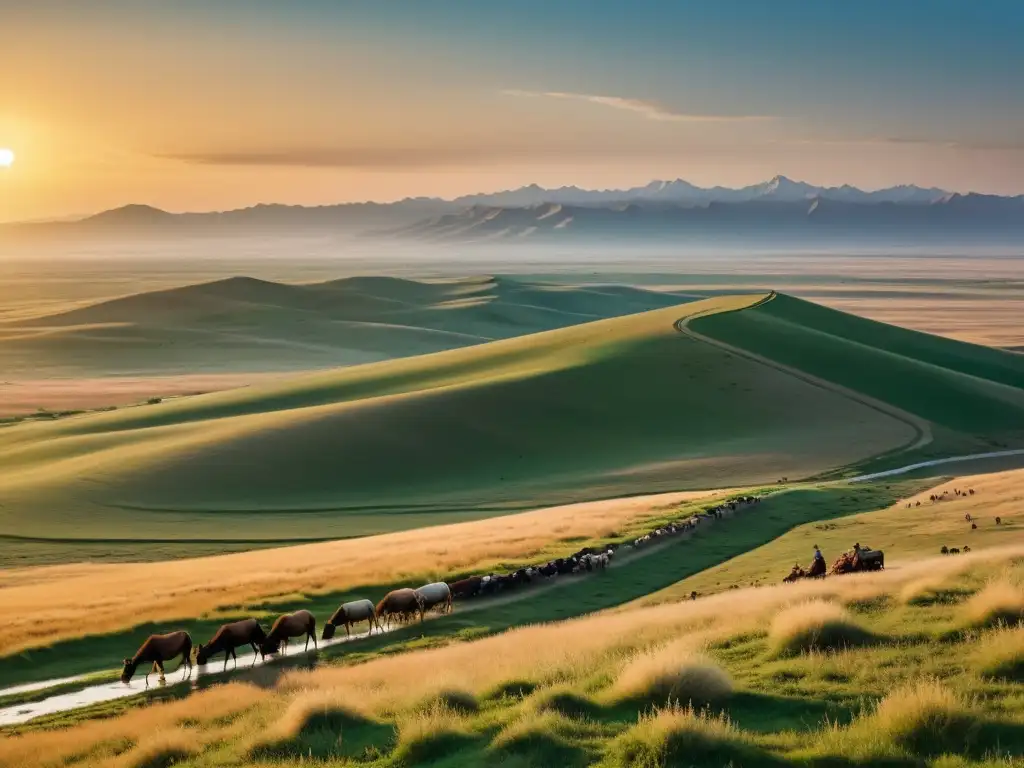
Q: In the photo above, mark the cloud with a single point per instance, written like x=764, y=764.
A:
x=648, y=109
x=338, y=157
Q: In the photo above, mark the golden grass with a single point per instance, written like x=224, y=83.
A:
x=429, y=733
x=216, y=708
x=39, y=606
x=1000, y=602
x=308, y=710
x=815, y=625
x=672, y=673
x=1001, y=655
x=161, y=750
x=548, y=655
x=678, y=735
x=925, y=718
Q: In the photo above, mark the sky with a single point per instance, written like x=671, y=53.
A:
x=215, y=105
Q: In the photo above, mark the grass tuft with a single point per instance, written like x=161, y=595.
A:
x=429, y=734
x=541, y=738
x=455, y=699
x=564, y=701
x=162, y=750
x=1001, y=656
x=678, y=736
x=322, y=724
x=672, y=673
x=815, y=625
x=1001, y=602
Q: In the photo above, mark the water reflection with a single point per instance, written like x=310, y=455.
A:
x=250, y=668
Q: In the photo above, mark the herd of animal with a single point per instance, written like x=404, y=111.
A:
x=400, y=605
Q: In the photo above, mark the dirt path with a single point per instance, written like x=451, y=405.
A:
x=922, y=428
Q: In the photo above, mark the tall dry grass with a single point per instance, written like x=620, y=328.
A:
x=1001, y=655
x=162, y=750
x=1000, y=602
x=925, y=718
x=570, y=652
x=39, y=606
x=672, y=673
x=815, y=625
x=677, y=735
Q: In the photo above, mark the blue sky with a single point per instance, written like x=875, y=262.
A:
x=214, y=104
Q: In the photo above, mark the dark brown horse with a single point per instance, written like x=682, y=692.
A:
x=231, y=636
x=156, y=650
x=402, y=603
x=288, y=626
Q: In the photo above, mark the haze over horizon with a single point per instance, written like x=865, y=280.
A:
x=202, y=107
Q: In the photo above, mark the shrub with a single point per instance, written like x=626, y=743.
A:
x=1001, y=656
x=677, y=736
x=815, y=626
x=998, y=603
x=672, y=673
x=154, y=401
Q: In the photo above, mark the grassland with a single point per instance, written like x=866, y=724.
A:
x=76, y=621
x=247, y=325
x=740, y=678
x=968, y=392
x=603, y=409
x=904, y=534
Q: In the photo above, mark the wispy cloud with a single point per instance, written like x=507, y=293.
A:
x=650, y=110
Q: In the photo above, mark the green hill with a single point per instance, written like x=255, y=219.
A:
x=972, y=395
x=607, y=408
x=245, y=324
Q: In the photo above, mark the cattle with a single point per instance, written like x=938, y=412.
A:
x=944, y=550
x=954, y=551
x=436, y=595
x=400, y=603
x=232, y=636
x=156, y=650
x=974, y=526
x=288, y=626
x=966, y=549
x=349, y=614
x=999, y=521
x=466, y=587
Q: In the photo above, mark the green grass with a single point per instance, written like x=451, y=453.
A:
x=915, y=697
x=971, y=390
x=598, y=410
x=654, y=569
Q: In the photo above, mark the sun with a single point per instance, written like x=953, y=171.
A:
x=6, y=158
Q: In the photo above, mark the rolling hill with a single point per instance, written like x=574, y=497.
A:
x=967, y=392
x=245, y=324
x=606, y=408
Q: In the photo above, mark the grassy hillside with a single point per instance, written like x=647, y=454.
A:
x=245, y=324
x=966, y=391
x=602, y=409
x=814, y=675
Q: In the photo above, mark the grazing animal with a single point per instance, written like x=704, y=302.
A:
x=966, y=549
x=466, y=587
x=231, y=636
x=349, y=614
x=288, y=626
x=974, y=526
x=944, y=550
x=967, y=517
x=971, y=491
x=954, y=551
x=999, y=521
x=400, y=603
x=156, y=650
x=693, y=595
x=438, y=594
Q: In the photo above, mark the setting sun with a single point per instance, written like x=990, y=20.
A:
x=6, y=158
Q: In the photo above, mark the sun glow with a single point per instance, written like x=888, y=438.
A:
x=6, y=158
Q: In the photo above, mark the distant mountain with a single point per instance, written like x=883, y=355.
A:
x=684, y=193
x=773, y=215
x=660, y=208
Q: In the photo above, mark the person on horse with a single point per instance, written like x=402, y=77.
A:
x=817, y=563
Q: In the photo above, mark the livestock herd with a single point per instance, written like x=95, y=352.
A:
x=400, y=605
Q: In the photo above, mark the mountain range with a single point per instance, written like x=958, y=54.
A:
x=661, y=209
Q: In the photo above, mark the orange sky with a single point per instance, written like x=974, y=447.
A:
x=197, y=110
